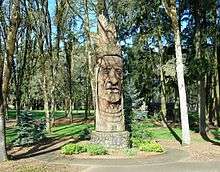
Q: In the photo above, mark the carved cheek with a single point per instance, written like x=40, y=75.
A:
x=102, y=79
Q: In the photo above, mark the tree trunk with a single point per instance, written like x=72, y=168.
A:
x=170, y=7
x=5, y=73
x=90, y=58
x=46, y=105
x=201, y=83
x=217, y=54
x=53, y=107
x=162, y=82
x=182, y=90
x=3, y=153
x=202, y=107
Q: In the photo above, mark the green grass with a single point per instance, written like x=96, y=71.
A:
x=69, y=130
x=11, y=134
x=216, y=134
x=39, y=114
x=163, y=133
x=75, y=130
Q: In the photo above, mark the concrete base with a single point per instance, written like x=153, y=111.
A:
x=114, y=140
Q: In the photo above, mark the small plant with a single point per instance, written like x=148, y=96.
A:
x=130, y=151
x=85, y=134
x=136, y=142
x=96, y=149
x=72, y=148
x=150, y=146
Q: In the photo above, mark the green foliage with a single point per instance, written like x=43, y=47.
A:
x=194, y=121
x=29, y=131
x=85, y=134
x=96, y=149
x=140, y=131
x=142, y=137
x=72, y=148
x=150, y=146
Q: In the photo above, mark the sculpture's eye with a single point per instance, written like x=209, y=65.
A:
x=119, y=72
x=106, y=70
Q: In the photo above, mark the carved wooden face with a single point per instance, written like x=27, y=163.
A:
x=110, y=78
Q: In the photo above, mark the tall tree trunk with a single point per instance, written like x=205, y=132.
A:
x=3, y=153
x=68, y=50
x=19, y=74
x=201, y=83
x=7, y=69
x=46, y=104
x=170, y=7
x=217, y=54
x=162, y=82
x=90, y=58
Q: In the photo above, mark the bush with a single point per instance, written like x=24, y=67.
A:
x=29, y=130
x=136, y=142
x=139, y=131
x=150, y=146
x=85, y=134
x=71, y=148
x=96, y=149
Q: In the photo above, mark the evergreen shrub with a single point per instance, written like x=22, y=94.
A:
x=29, y=130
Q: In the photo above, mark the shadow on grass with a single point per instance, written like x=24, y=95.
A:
x=41, y=148
x=206, y=138
x=59, y=137
x=175, y=135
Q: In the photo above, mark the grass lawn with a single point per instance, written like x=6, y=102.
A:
x=70, y=130
x=11, y=134
x=57, y=132
x=155, y=132
x=163, y=133
x=39, y=114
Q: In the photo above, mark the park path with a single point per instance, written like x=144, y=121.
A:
x=164, y=167
x=199, y=157
x=173, y=160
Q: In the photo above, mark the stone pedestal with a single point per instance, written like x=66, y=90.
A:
x=118, y=140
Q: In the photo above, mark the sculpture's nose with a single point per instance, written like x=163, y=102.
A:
x=113, y=77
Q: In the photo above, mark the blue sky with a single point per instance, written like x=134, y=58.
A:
x=52, y=6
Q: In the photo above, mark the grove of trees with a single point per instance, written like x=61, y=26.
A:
x=171, y=51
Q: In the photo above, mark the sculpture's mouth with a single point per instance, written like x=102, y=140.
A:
x=110, y=107
x=113, y=90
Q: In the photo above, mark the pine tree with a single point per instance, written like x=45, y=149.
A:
x=29, y=130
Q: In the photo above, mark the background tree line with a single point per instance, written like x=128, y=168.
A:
x=47, y=58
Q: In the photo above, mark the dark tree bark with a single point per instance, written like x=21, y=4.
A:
x=5, y=72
